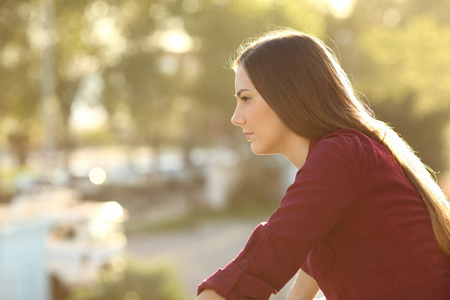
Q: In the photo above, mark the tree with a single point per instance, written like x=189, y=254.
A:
x=19, y=74
x=23, y=41
x=395, y=53
x=222, y=26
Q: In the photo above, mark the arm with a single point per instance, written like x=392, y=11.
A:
x=321, y=197
x=304, y=287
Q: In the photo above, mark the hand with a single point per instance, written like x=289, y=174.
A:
x=209, y=295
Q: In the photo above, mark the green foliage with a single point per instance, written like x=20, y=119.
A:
x=396, y=51
x=140, y=280
x=406, y=80
x=19, y=70
x=8, y=176
x=424, y=132
x=412, y=59
x=396, y=55
x=222, y=26
x=95, y=138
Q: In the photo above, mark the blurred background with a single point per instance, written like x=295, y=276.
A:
x=121, y=176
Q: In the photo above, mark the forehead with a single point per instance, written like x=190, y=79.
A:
x=241, y=80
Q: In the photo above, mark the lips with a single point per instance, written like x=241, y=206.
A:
x=248, y=134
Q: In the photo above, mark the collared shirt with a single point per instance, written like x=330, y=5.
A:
x=353, y=221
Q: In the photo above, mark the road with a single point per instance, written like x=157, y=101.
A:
x=196, y=252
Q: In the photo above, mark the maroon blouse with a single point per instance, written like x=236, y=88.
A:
x=353, y=221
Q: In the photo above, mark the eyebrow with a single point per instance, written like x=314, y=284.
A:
x=238, y=94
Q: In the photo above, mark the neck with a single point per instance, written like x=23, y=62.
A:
x=297, y=151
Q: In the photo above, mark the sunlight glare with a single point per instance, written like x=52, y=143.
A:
x=176, y=41
x=105, y=29
x=341, y=8
x=111, y=211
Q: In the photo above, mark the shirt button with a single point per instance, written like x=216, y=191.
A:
x=242, y=264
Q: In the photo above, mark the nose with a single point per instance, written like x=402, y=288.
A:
x=237, y=118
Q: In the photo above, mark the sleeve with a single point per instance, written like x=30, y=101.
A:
x=305, y=268
x=321, y=197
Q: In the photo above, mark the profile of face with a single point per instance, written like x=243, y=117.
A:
x=260, y=124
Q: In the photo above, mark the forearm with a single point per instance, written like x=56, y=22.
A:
x=304, y=287
x=209, y=295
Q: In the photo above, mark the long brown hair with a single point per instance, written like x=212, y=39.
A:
x=301, y=80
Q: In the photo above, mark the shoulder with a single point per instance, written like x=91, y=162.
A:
x=353, y=143
x=344, y=139
x=350, y=145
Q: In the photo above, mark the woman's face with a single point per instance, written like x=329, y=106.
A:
x=261, y=126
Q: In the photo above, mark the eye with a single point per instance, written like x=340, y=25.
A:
x=245, y=98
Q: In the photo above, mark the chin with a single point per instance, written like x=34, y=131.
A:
x=259, y=151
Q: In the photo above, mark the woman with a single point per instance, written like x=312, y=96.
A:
x=363, y=219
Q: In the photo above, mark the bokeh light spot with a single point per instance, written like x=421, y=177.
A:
x=97, y=176
x=111, y=211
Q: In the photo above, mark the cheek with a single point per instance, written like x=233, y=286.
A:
x=258, y=116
